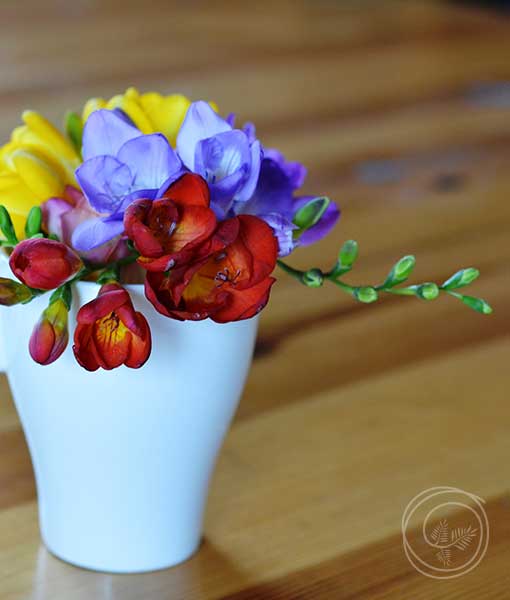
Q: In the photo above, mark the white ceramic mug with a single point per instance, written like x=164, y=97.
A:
x=122, y=459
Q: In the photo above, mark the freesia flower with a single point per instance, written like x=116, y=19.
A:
x=12, y=292
x=232, y=283
x=274, y=202
x=61, y=216
x=110, y=332
x=150, y=112
x=50, y=336
x=35, y=165
x=44, y=264
x=227, y=158
x=168, y=231
x=120, y=165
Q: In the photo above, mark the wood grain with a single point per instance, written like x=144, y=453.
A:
x=401, y=110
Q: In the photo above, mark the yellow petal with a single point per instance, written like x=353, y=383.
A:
x=45, y=133
x=40, y=178
x=134, y=111
x=17, y=198
x=165, y=112
x=39, y=136
x=92, y=105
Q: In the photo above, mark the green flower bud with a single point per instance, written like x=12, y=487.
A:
x=311, y=213
x=427, y=291
x=400, y=271
x=477, y=304
x=366, y=294
x=12, y=292
x=348, y=253
x=313, y=278
x=461, y=278
x=34, y=222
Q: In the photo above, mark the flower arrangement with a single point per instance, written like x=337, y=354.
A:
x=165, y=190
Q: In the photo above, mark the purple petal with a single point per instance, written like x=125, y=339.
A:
x=95, y=232
x=151, y=160
x=201, y=122
x=320, y=229
x=222, y=155
x=222, y=192
x=273, y=193
x=104, y=181
x=249, y=131
x=295, y=171
x=283, y=230
x=53, y=211
x=105, y=132
x=254, y=170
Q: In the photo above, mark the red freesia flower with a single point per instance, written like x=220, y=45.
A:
x=44, y=264
x=167, y=231
x=110, y=332
x=50, y=336
x=231, y=283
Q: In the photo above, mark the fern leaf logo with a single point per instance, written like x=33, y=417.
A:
x=446, y=552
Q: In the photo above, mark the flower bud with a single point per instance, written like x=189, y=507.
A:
x=366, y=294
x=461, y=278
x=477, y=304
x=44, y=264
x=50, y=336
x=313, y=278
x=348, y=253
x=12, y=292
x=427, y=291
x=400, y=271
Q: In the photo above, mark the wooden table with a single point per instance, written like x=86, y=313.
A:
x=402, y=114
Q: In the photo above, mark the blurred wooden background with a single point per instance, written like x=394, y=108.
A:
x=401, y=111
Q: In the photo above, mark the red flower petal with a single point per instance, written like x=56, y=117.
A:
x=189, y=190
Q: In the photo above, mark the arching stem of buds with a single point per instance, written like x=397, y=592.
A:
x=400, y=272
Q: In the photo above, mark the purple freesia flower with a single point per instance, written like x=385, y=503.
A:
x=61, y=216
x=227, y=158
x=120, y=165
x=274, y=202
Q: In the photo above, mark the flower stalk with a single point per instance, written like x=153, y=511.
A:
x=398, y=275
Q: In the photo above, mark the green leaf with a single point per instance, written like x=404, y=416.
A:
x=461, y=278
x=400, y=271
x=6, y=226
x=313, y=278
x=34, y=222
x=366, y=294
x=477, y=304
x=310, y=214
x=74, y=129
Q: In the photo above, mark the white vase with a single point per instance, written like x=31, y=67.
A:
x=122, y=459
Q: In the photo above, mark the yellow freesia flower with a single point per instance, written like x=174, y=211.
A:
x=150, y=112
x=35, y=165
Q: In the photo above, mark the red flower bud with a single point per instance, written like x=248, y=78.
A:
x=231, y=283
x=168, y=231
x=12, y=292
x=50, y=336
x=44, y=264
x=110, y=333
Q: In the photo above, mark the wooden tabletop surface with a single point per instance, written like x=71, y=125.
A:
x=401, y=111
